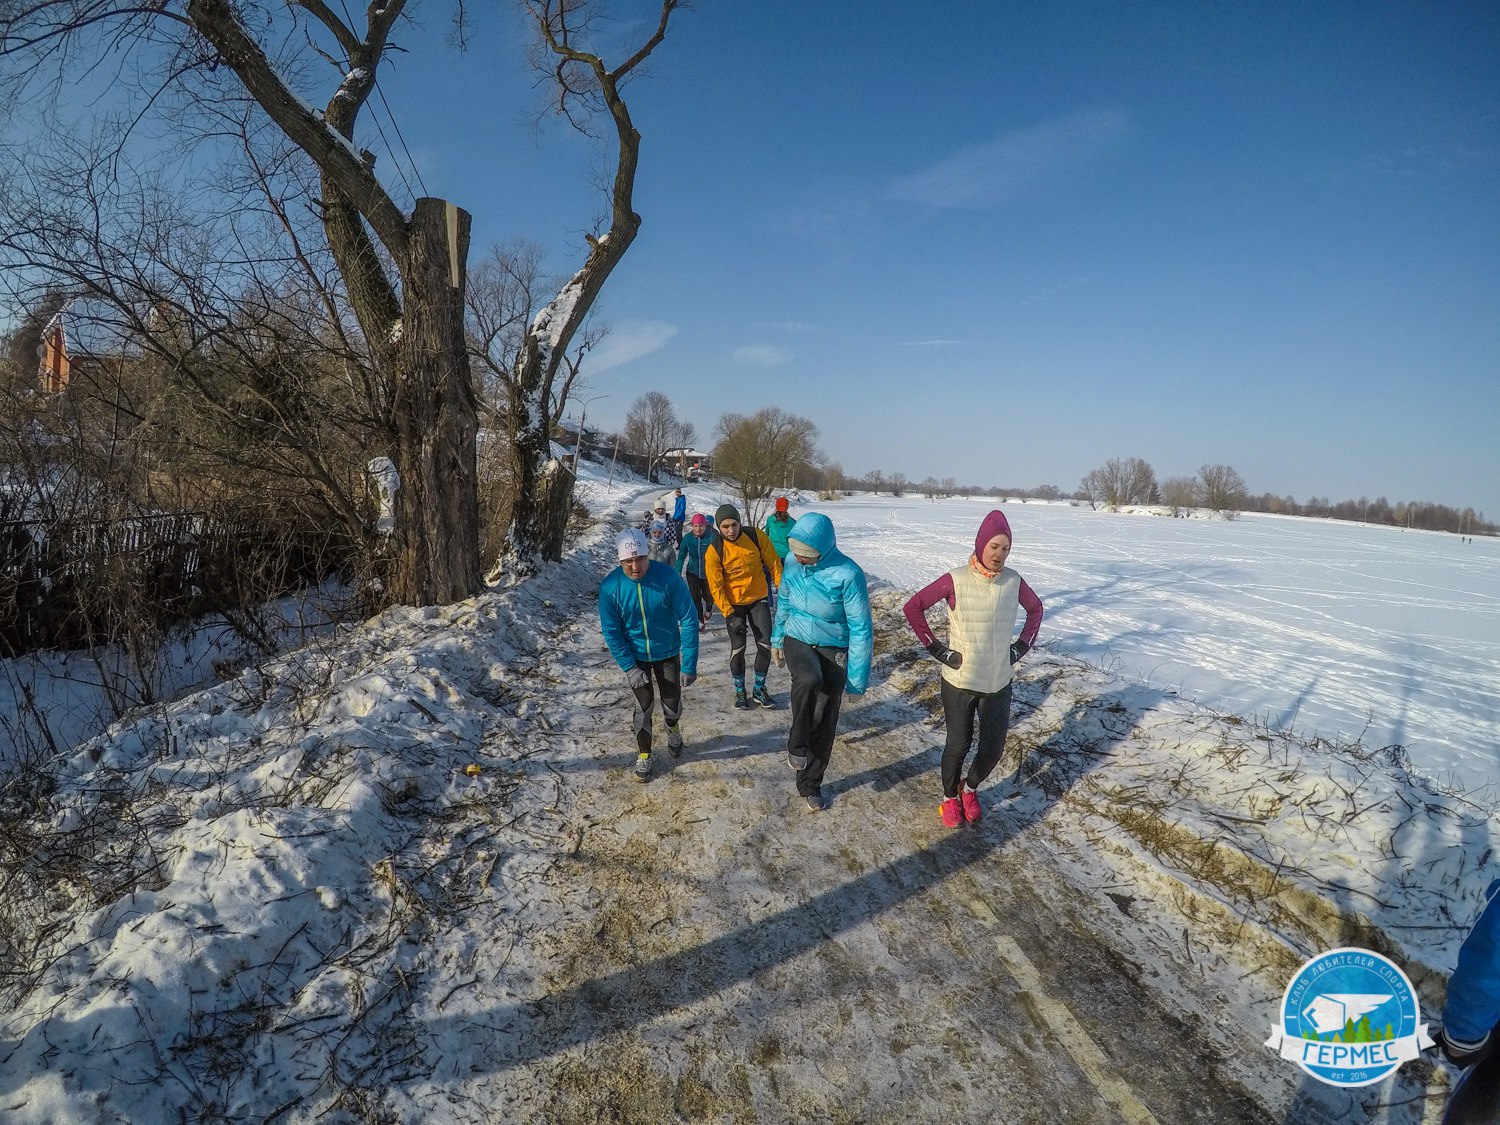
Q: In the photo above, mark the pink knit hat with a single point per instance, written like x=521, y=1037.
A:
x=994, y=524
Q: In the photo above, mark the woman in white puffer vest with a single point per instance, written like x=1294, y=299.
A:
x=984, y=597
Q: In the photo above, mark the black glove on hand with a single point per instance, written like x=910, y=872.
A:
x=637, y=678
x=1462, y=1054
x=942, y=652
x=1018, y=650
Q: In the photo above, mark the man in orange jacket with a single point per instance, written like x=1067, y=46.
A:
x=741, y=568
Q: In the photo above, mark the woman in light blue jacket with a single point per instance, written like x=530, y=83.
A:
x=824, y=635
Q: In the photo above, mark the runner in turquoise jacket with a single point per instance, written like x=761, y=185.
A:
x=650, y=620
x=650, y=625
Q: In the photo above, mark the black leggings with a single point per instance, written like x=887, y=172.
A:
x=960, y=708
x=1474, y=1096
x=668, y=675
x=758, y=616
x=698, y=587
x=818, y=678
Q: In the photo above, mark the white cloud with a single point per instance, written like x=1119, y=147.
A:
x=931, y=343
x=798, y=327
x=986, y=173
x=762, y=355
x=629, y=340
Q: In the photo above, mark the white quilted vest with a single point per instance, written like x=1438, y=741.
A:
x=980, y=626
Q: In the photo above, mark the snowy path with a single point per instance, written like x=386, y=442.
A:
x=732, y=956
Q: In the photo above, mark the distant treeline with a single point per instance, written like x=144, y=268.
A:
x=1116, y=483
x=1410, y=513
x=1407, y=513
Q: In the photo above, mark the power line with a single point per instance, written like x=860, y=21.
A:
x=417, y=172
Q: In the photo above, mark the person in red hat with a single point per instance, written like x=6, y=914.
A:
x=983, y=598
x=779, y=526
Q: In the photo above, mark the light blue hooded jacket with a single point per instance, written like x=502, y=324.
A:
x=827, y=603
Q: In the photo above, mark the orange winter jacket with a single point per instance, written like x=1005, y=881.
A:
x=737, y=571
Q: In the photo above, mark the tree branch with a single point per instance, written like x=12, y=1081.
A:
x=333, y=152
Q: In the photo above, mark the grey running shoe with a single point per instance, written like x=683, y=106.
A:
x=763, y=697
x=674, y=741
x=816, y=801
x=796, y=761
x=643, y=767
x=741, y=700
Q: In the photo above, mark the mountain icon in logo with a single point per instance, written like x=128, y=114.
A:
x=1333, y=1010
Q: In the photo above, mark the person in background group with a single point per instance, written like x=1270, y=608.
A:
x=778, y=527
x=691, y=555
x=741, y=569
x=1471, y=1018
x=661, y=534
x=983, y=596
x=679, y=511
x=651, y=627
x=824, y=636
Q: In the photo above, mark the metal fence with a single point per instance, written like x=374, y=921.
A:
x=72, y=584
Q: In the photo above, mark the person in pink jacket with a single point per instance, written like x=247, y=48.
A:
x=984, y=597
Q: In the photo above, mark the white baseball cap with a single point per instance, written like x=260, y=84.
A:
x=631, y=543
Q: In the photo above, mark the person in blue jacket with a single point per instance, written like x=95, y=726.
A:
x=1472, y=1010
x=824, y=636
x=679, y=510
x=651, y=627
x=690, y=565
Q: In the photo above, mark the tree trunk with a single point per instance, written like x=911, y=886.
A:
x=543, y=485
x=434, y=418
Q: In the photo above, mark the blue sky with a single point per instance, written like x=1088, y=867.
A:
x=1004, y=242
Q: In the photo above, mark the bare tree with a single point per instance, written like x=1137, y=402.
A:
x=833, y=479
x=583, y=84
x=652, y=428
x=505, y=289
x=1179, y=494
x=221, y=359
x=1222, y=489
x=403, y=271
x=755, y=453
x=1118, y=482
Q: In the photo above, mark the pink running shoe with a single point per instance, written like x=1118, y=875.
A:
x=951, y=812
x=972, y=811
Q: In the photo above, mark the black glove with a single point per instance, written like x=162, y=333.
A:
x=942, y=652
x=1018, y=650
x=637, y=678
x=1463, y=1054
